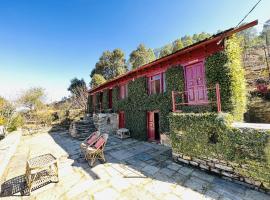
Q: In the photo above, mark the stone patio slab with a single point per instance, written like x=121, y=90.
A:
x=134, y=170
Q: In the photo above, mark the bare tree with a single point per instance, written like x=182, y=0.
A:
x=79, y=97
x=79, y=93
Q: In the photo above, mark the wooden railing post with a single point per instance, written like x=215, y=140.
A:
x=218, y=98
x=173, y=102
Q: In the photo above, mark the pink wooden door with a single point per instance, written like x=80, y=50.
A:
x=190, y=84
x=150, y=126
x=195, y=83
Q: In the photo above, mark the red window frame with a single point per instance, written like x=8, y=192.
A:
x=123, y=91
x=153, y=80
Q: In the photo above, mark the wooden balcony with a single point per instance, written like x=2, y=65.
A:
x=197, y=97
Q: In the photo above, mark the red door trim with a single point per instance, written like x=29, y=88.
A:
x=150, y=126
x=121, y=119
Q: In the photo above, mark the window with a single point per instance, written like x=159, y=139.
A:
x=156, y=84
x=123, y=91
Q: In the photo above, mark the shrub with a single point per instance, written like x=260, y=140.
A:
x=210, y=135
x=3, y=121
x=15, y=123
x=43, y=117
x=226, y=69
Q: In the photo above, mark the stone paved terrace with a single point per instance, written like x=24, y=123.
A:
x=134, y=170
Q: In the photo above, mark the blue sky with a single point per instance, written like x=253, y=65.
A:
x=46, y=43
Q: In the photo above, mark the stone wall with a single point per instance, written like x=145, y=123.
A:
x=256, y=67
x=222, y=168
x=255, y=64
x=258, y=111
x=106, y=122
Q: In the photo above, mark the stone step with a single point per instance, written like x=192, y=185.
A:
x=82, y=128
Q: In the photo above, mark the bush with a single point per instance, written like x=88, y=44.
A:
x=3, y=121
x=210, y=136
x=42, y=117
x=15, y=123
x=226, y=68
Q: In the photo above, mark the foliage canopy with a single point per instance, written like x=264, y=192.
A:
x=142, y=55
x=110, y=64
x=33, y=98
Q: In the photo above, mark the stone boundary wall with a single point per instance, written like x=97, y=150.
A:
x=106, y=122
x=222, y=168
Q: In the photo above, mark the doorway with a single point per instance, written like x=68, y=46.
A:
x=153, y=132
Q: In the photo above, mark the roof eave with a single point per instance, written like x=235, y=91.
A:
x=217, y=37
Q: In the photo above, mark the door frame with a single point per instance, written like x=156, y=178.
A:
x=148, y=128
x=121, y=119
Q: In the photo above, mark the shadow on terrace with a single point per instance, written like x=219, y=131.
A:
x=134, y=170
x=149, y=167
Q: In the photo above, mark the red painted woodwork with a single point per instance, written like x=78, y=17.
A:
x=150, y=126
x=183, y=101
x=121, y=119
x=183, y=57
x=156, y=83
x=195, y=83
x=123, y=91
x=110, y=99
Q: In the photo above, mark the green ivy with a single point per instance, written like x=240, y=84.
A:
x=139, y=102
x=89, y=104
x=226, y=69
x=211, y=136
x=105, y=100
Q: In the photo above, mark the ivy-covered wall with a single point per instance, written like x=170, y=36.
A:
x=210, y=136
x=105, y=100
x=223, y=67
x=89, y=104
x=226, y=68
x=139, y=102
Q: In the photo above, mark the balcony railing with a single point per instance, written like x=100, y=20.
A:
x=200, y=97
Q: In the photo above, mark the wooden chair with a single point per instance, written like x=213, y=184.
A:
x=96, y=151
x=89, y=141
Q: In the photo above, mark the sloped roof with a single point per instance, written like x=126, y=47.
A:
x=216, y=37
